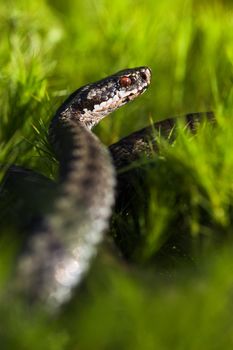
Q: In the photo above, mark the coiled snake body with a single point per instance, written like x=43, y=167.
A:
x=59, y=251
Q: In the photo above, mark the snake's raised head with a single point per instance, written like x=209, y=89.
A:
x=92, y=102
x=130, y=83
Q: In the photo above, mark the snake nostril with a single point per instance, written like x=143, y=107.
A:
x=143, y=75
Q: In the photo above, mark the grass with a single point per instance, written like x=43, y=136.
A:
x=163, y=279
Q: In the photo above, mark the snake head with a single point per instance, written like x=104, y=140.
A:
x=92, y=102
x=114, y=91
x=130, y=83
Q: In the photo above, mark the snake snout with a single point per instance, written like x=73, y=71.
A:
x=146, y=74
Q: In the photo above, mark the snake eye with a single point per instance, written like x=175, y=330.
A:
x=125, y=81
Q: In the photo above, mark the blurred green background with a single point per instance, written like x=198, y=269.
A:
x=164, y=280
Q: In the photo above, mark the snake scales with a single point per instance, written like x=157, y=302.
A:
x=59, y=250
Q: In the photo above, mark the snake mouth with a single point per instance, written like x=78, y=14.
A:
x=134, y=94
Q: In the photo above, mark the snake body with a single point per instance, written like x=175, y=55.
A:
x=144, y=141
x=60, y=249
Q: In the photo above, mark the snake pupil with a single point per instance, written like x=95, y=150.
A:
x=125, y=81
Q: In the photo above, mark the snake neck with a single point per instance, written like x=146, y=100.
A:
x=72, y=112
x=82, y=156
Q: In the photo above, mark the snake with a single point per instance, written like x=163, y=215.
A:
x=61, y=247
